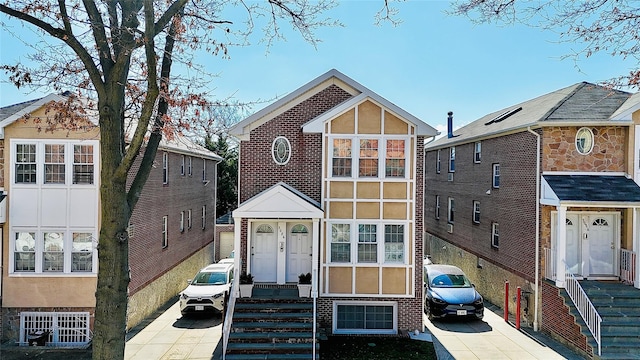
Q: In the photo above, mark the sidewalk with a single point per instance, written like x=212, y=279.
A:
x=493, y=339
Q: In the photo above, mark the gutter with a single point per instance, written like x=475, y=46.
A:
x=537, y=266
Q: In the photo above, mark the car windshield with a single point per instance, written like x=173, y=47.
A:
x=450, y=280
x=210, y=278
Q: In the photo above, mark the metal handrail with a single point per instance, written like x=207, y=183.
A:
x=230, y=306
x=583, y=304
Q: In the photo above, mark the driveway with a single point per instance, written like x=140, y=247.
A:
x=170, y=336
x=493, y=339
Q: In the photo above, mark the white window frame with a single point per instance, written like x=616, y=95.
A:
x=351, y=157
x=333, y=241
x=181, y=221
x=392, y=304
x=165, y=167
x=386, y=245
x=437, y=209
x=39, y=252
x=451, y=209
x=363, y=151
x=477, y=152
x=495, y=235
x=204, y=217
x=370, y=241
x=580, y=148
x=165, y=229
x=452, y=159
x=277, y=146
x=183, y=164
x=438, y=165
x=495, y=179
x=190, y=166
x=386, y=157
x=189, y=219
x=476, y=212
x=381, y=156
x=204, y=170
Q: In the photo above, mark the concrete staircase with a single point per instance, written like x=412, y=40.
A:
x=619, y=307
x=273, y=324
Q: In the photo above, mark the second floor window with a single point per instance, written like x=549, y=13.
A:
x=165, y=234
x=476, y=212
x=395, y=163
x=341, y=157
x=496, y=176
x=495, y=236
x=368, y=162
x=26, y=163
x=49, y=163
x=183, y=165
x=165, y=168
x=438, y=162
x=477, y=153
x=451, y=211
x=54, y=169
x=83, y=164
x=437, y=210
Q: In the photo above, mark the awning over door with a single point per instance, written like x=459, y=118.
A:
x=581, y=190
x=280, y=201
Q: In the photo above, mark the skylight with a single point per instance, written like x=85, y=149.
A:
x=504, y=115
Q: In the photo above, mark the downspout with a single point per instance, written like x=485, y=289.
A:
x=537, y=281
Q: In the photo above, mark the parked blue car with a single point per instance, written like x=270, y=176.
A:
x=449, y=293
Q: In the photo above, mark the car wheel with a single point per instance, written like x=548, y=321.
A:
x=428, y=311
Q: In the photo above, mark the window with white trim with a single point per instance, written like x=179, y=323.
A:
x=496, y=176
x=183, y=164
x=368, y=161
x=26, y=166
x=451, y=210
x=438, y=162
x=54, y=169
x=83, y=167
x=189, y=219
x=165, y=168
x=584, y=140
x=165, y=234
x=476, y=212
x=341, y=158
x=477, y=153
x=181, y=221
x=452, y=159
x=281, y=150
x=396, y=158
x=367, y=243
x=495, y=236
x=204, y=217
x=394, y=243
x=340, y=243
x=437, y=210
x=365, y=317
x=190, y=166
x=48, y=162
x=204, y=169
x=43, y=251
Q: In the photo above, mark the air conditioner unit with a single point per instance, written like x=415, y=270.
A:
x=450, y=228
x=450, y=177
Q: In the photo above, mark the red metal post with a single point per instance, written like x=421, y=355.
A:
x=506, y=301
x=518, y=293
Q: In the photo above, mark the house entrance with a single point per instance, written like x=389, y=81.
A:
x=299, y=251
x=264, y=251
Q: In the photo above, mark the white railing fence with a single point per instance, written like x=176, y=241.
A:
x=550, y=264
x=627, y=266
x=230, y=307
x=585, y=307
x=60, y=329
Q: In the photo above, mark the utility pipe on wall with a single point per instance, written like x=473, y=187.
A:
x=537, y=270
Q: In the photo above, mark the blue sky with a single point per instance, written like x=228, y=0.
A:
x=428, y=65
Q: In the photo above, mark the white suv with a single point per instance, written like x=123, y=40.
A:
x=206, y=290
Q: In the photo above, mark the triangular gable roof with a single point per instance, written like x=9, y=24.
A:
x=333, y=76
x=628, y=108
x=280, y=201
x=11, y=113
x=579, y=104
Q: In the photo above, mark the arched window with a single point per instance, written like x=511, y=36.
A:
x=264, y=229
x=299, y=229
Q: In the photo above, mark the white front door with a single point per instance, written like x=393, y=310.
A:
x=573, y=245
x=299, y=250
x=264, y=251
x=601, y=245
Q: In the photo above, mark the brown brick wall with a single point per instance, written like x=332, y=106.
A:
x=258, y=171
x=608, y=154
x=513, y=205
x=147, y=259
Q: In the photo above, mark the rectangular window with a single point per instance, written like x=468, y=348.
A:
x=189, y=219
x=496, y=176
x=364, y=318
x=477, y=154
x=476, y=212
x=395, y=163
x=368, y=161
x=452, y=159
x=25, y=252
x=451, y=210
x=181, y=221
x=25, y=163
x=438, y=162
x=82, y=252
x=183, y=165
x=165, y=168
x=190, y=166
x=437, y=207
x=340, y=243
x=394, y=243
x=341, y=157
x=54, y=164
x=204, y=217
x=495, y=237
x=165, y=235
x=367, y=243
x=204, y=170
x=53, y=254
x=83, y=164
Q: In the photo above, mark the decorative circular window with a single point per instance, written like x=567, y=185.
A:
x=584, y=140
x=281, y=150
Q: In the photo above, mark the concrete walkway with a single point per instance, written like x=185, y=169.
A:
x=492, y=339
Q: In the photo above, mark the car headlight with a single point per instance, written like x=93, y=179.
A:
x=438, y=301
x=184, y=296
x=217, y=295
x=478, y=301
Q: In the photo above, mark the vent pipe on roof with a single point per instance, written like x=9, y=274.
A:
x=450, y=124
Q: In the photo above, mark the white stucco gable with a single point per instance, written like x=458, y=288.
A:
x=279, y=202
